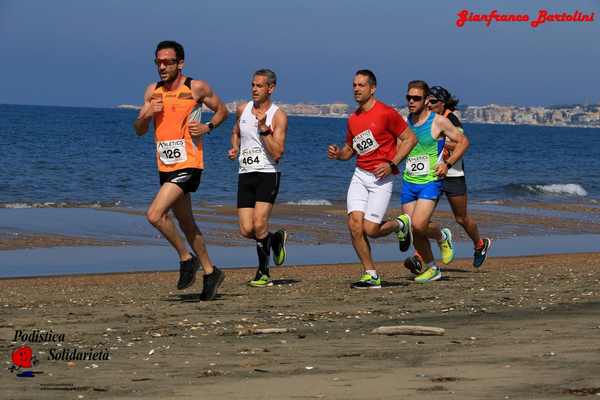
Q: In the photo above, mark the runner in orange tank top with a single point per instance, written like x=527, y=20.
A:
x=174, y=105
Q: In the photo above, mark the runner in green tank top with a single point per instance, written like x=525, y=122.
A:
x=423, y=175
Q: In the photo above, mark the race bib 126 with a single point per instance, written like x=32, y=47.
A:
x=171, y=151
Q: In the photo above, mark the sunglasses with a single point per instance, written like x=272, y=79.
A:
x=434, y=101
x=414, y=98
x=166, y=61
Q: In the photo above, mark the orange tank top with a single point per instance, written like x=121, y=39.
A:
x=175, y=147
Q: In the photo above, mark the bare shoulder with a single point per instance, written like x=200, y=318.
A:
x=201, y=88
x=440, y=120
x=280, y=120
x=280, y=114
x=149, y=90
x=239, y=109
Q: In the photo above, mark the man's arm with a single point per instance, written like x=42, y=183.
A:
x=275, y=142
x=404, y=144
x=142, y=123
x=460, y=146
x=234, y=151
x=335, y=153
x=203, y=93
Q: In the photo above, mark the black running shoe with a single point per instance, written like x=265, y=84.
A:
x=211, y=284
x=481, y=254
x=187, y=272
x=278, y=243
x=414, y=264
x=405, y=234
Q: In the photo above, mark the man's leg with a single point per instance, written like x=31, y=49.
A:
x=421, y=216
x=374, y=230
x=213, y=277
x=423, y=209
x=158, y=216
x=434, y=231
x=369, y=279
x=260, y=223
x=183, y=212
x=359, y=239
x=246, y=216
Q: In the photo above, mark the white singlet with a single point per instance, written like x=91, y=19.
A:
x=253, y=155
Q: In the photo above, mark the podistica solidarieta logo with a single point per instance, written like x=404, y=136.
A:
x=24, y=358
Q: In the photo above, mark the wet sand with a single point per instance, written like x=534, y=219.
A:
x=310, y=225
x=526, y=327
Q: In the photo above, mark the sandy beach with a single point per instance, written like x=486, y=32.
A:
x=526, y=327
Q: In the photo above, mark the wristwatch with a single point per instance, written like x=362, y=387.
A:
x=448, y=164
x=210, y=125
x=267, y=132
x=394, y=167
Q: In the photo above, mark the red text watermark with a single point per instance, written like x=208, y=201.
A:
x=542, y=17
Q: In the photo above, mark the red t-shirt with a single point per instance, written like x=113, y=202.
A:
x=372, y=135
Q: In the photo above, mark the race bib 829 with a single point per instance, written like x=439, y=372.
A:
x=364, y=142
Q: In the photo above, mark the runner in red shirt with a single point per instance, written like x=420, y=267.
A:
x=380, y=138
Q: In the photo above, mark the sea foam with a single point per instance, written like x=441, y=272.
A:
x=573, y=189
x=310, y=202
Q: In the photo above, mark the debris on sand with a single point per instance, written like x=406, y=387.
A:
x=415, y=330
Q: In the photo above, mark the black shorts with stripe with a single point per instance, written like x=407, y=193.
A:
x=188, y=179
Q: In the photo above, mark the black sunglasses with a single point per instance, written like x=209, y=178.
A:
x=434, y=101
x=414, y=98
x=166, y=61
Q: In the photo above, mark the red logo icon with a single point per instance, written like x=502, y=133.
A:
x=22, y=356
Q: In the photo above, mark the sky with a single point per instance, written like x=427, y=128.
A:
x=100, y=53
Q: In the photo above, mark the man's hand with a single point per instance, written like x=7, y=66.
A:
x=441, y=170
x=261, y=116
x=233, y=153
x=156, y=104
x=333, y=151
x=382, y=170
x=198, y=128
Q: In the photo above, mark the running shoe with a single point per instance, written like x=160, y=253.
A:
x=278, y=243
x=447, y=247
x=481, y=254
x=261, y=280
x=404, y=234
x=367, y=282
x=211, y=284
x=187, y=272
x=414, y=264
x=430, y=275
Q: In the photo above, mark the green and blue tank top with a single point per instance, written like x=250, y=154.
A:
x=421, y=161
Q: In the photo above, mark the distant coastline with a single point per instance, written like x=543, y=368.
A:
x=574, y=116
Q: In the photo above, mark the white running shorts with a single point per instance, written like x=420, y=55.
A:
x=369, y=194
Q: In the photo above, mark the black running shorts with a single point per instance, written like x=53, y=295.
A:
x=257, y=186
x=188, y=179
x=454, y=186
